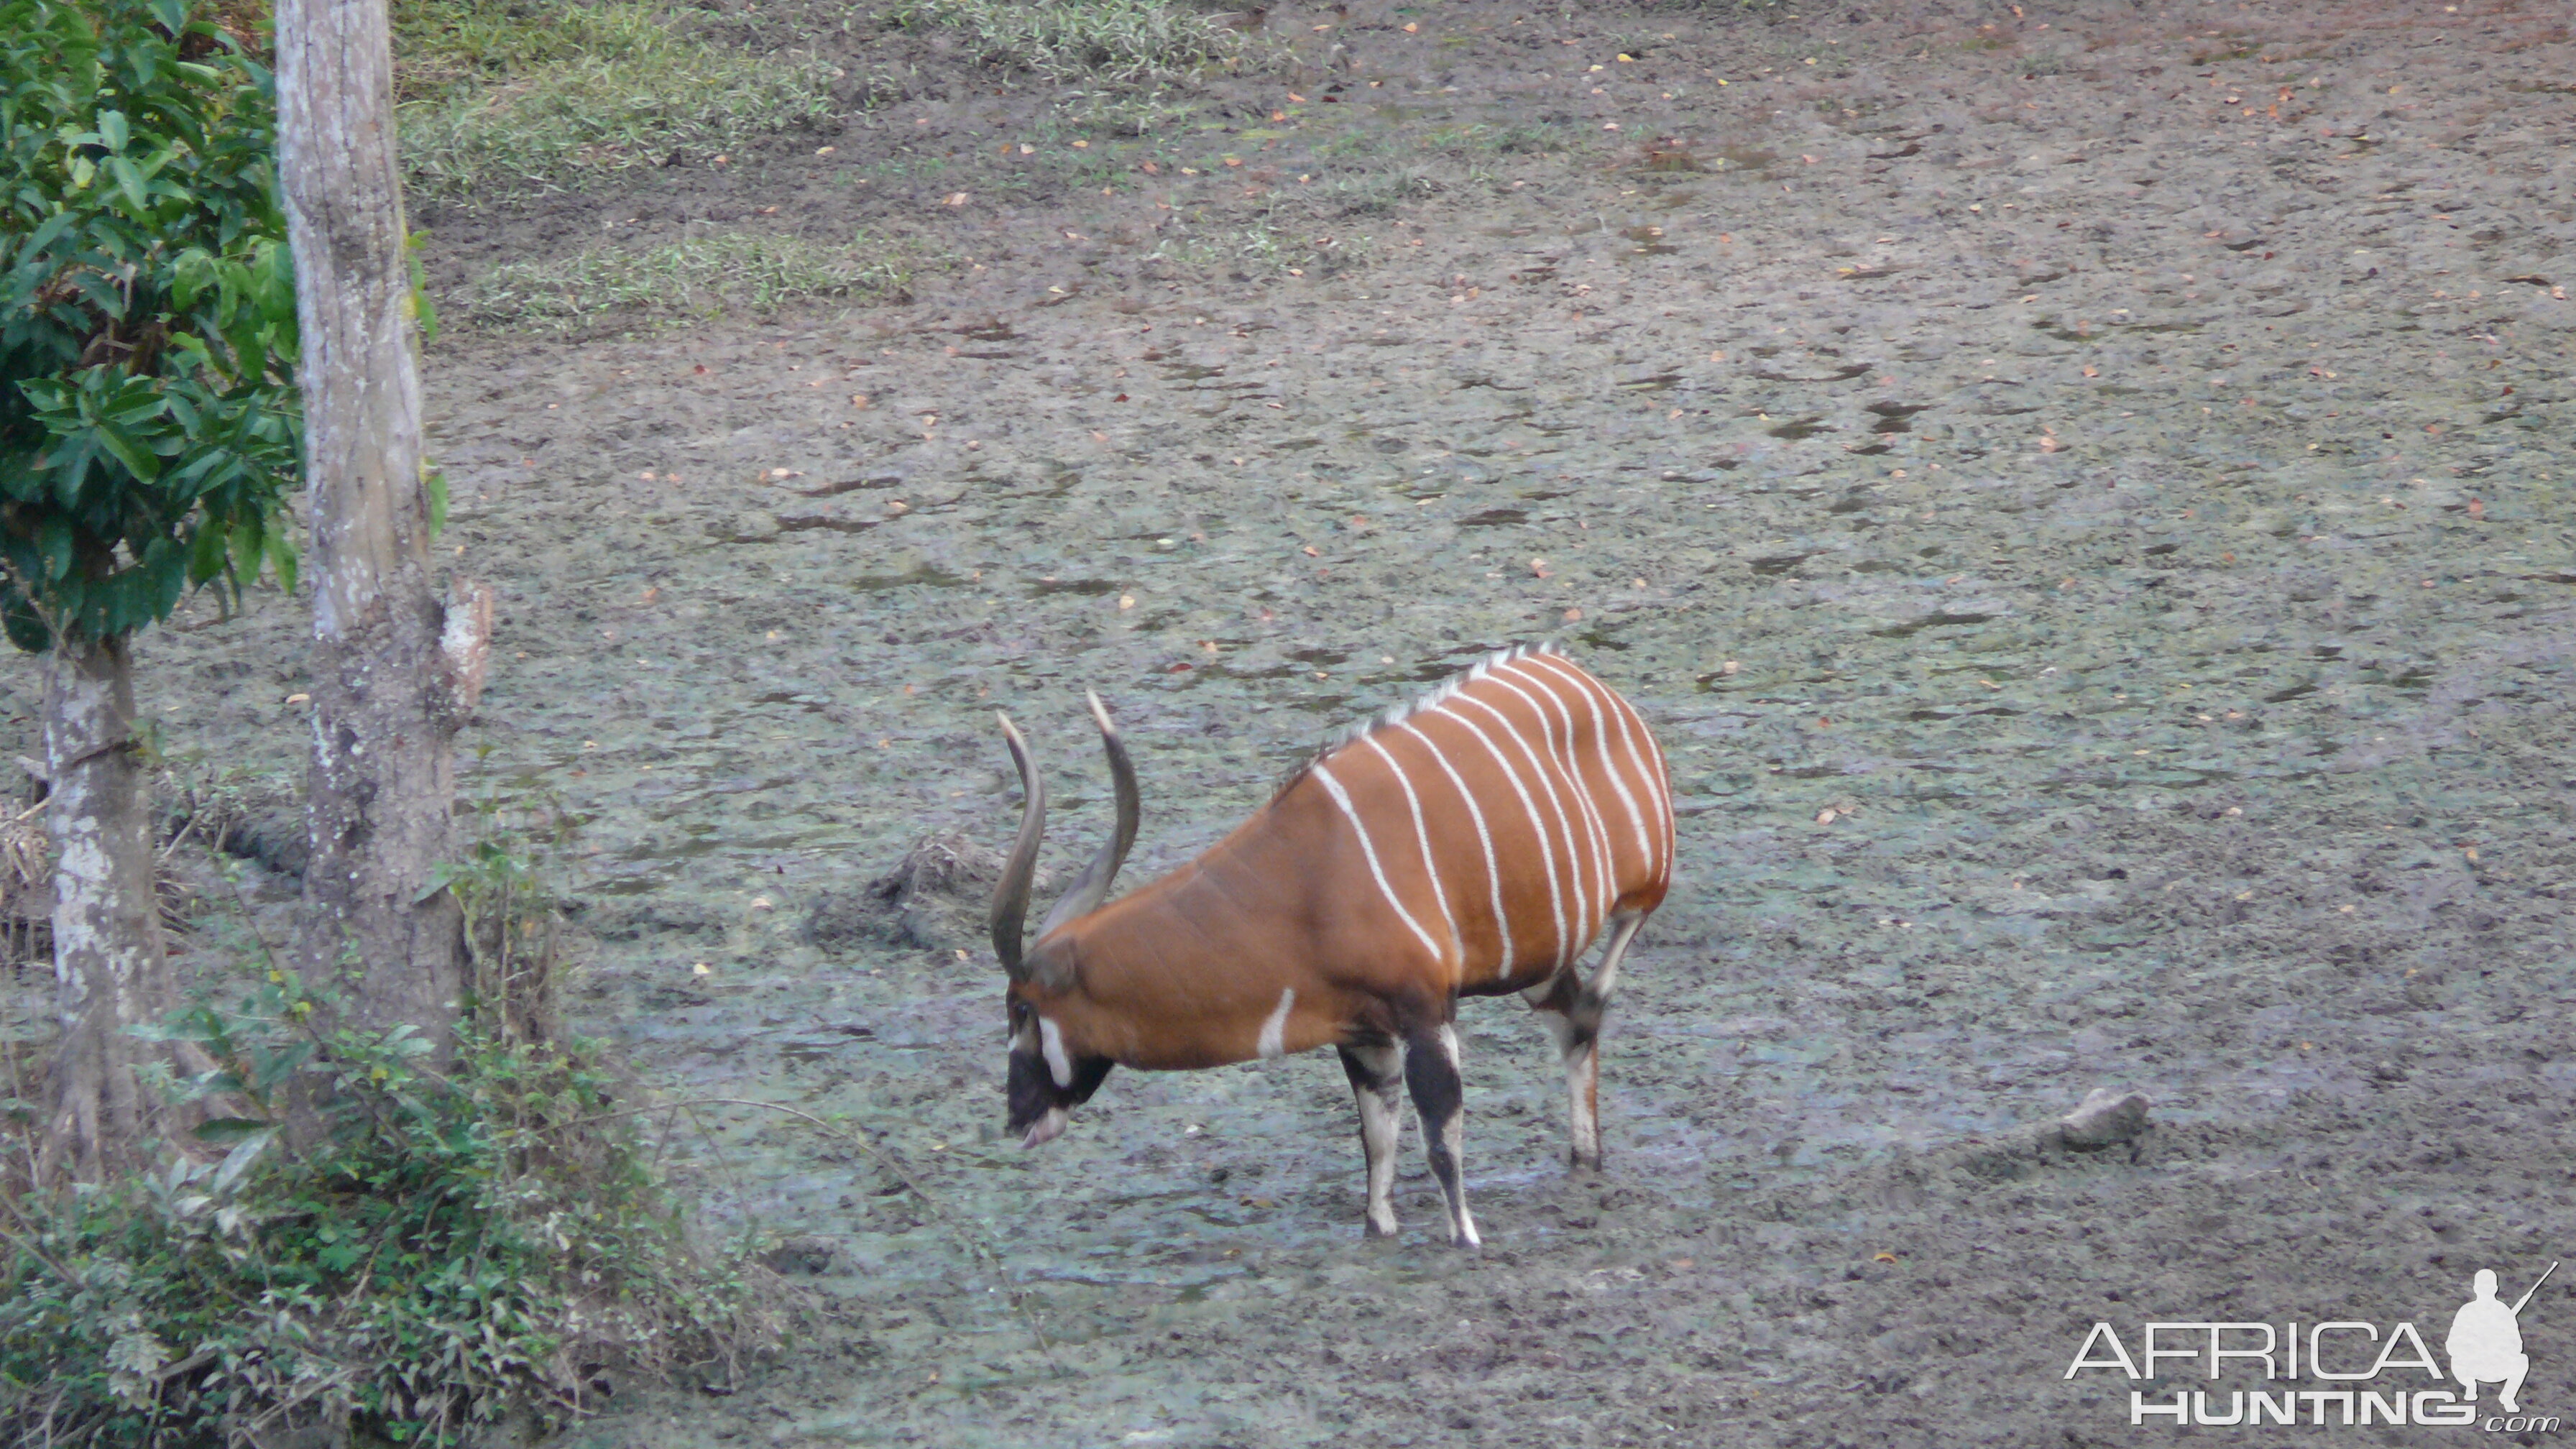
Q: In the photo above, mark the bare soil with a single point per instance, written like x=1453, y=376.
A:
x=2083, y=491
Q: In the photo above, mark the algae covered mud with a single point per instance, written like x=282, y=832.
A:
x=2082, y=492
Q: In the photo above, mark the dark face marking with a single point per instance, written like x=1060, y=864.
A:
x=1031, y=1091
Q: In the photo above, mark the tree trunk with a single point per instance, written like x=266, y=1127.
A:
x=109, y=969
x=394, y=673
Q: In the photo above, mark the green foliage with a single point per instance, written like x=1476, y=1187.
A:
x=148, y=417
x=505, y=887
x=1125, y=41
x=701, y=277
x=507, y=94
x=449, y=1246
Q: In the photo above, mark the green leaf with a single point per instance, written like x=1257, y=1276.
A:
x=72, y=461
x=238, y=1161
x=433, y=482
x=218, y=1131
x=205, y=554
x=54, y=539
x=45, y=235
x=273, y=1068
x=138, y=460
x=23, y=627
x=99, y=292
x=129, y=180
x=281, y=557
x=165, y=570
x=424, y=311
x=190, y=273
x=246, y=542
x=277, y=298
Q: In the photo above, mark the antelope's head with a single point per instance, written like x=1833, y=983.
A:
x=1049, y=1076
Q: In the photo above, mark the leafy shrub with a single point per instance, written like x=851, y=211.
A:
x=148, y=417
x=445, y=1248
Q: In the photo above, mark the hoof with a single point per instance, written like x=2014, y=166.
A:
x=1371, y=1231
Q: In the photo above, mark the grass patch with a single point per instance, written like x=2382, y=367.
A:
x=1525, y=138
x=1129, y=42
x=1130, y=113
x=1363, y=193
x=700, y=277
x=1263, y=249
x=495, y=94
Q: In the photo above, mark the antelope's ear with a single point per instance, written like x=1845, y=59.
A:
x=1052, y=965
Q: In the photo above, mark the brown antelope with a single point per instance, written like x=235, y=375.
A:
x=1472, y=843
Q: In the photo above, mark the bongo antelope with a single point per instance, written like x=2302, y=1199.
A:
x=1472, y=843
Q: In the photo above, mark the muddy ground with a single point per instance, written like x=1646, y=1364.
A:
x=2114, y=459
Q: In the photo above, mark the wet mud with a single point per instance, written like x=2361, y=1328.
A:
x=2082, y=492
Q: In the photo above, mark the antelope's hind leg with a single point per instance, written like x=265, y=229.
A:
x=1375, y=1073
x=1431, y=1069
x=1574, y=1009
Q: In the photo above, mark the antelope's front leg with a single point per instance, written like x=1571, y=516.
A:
x=1431, y=1069
x=1375, y=1072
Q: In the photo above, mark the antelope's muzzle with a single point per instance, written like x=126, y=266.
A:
x=1040, y=1099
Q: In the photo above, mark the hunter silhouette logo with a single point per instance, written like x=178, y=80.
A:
x=2486, y=1340
x=2361, y=1375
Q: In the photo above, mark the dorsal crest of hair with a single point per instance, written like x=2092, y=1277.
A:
x=1432, y=698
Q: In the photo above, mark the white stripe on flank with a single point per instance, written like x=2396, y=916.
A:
x=1566, y=947
x=1342, y=798
x=1484, y=837
x=1274, y=1031
x=1594, y=834
x=1538, y=827
x=1585, y=918
x=1663, y=777
x=1592, y=690
x=1457, y=943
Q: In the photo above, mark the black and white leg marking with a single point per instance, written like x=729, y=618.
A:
x=1574, y=1018
x=1375, y=1073
x=1623, y=929
x=1431, y=1070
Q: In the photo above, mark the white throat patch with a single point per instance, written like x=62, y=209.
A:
x=1274, y=1031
